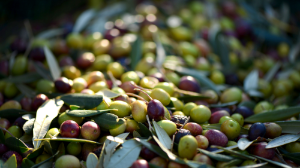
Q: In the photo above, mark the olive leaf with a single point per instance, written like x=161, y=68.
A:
x=36, y=153
x=83, y=20
x=2, y=137
x=44, y=116
x=125, y=156
x=235, y=153
x=25, y=78
x=52, y=63
x=26, y=163
x=224, y=104
x=26, y=138
x=291, y=127
x=42, y=71
x=229, y=148
x=244, y=143
x=28, y=116
x=109, y=147
x=295, y=157
x=83, y=100
x=108, y=93
x=154, y=148
x=274, y=115
x=87, y=113
x=255, y=165
x=16, y=145
x=282, y=140
x=50, y=33
x=251, y=81
x=136, y=134
x=11, y=162
x=218, y=157
x=68, y=140
x=273, y=162
x=12, y=113
x=136, y=52
x=91, y=161
x=160, y=52
x=107, y=120
x=28, y=126
x=271, y=73
x=143, y=130
x=162, y=136
x=41, y=163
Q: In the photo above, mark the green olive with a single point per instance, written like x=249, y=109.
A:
x=161, y=95
x=173, y=77
x=64, y=117
x=188, y=107
x=20, y=65
x=101, y=62
x=123, y=108
x=10, y=90
x=116, y=69
x=75, y=40
x=166, y=86
x=45, y=86
x=177, y=104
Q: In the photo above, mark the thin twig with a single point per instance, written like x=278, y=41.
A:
x=280, y=156
x=172, y=144
x=150, y=127
x=7, y=131
x=144, y=93
x=140, y=97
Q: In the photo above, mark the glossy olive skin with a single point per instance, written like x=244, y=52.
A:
x=259, y=149
x=244, y=111
x=216, y=137
x=69, y=129
x=140, y=163
x=90, y=130
x=63, y=84
x=147, y=153
x=273, y=130
x=26, y=103
x=189, y=83
x=256, y=130
x=37, y=54
x=38, y=101
x=155, y=110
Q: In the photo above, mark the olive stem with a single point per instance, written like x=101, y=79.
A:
x=280, y=156
x=7, y=131
x=150, y=127
x=113, y=79
x=144, y=93
x=134, y=95
x=172, y=144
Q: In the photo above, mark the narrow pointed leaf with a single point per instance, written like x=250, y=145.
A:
x=162, y=136
x=91, y=161
x=42, y=71
x=82, y=100
x=12, y=113
x=36, y=153
x=274, y=115
x=125, y=156
x=87, y=113
x=28, y=126
x=251, y=81
x=50, y=33
x=26, y=138
x=218, y=157
x=223, y=105
x=41, y=163
x=271, y=73
x=110, y=147
x=44, y=116
x=160, y=52
x=237, y=154
x=52, y=63
x=221, y=150
x=244, y=143
x=255, y=165
x=25, y=78
x=295, y=157
x=273, y=162
x=136, y=52
x=291, y=127
x=68, y=140
x=47, y=164
x=26, y=163
x=11, y=162
x=83, y=20
x=143, y=130
x=107, y=120
x=16, y=145
x=282, y=140
x=108, y=93
x=28, y=116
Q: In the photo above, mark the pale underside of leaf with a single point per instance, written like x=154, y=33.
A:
x=251, y=81
x=244, y=143
x=52, y=63
x=162, y=136
x=282, y=140
x=91, y=161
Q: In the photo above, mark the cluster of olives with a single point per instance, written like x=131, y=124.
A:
x=146, y=93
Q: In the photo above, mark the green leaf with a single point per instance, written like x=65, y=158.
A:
x=271, y=73
x=52, y=63
x=162, y=136
x=160, y=52
x=255, y=165
x=50, y=33
x=44, y=116
x=74, y=107
x=42, y=71
x=295, y=157
x=294, y=52
x=26, y=138
x=91, y=161
x=12, y=113
x=2, y=137
x=229, y=148
x=291, y=127
x=274, y=115
x=61, y=149
x=224, y=104
x=200, y=77
x=282, y=140
x=83, y=20
x=28, y=126
x=136, y=134
x=83, y=100
x=108, y=93
x=251, y=81
x=136, y=52
x=37, y=165
x=107, y=120
x=16, y=145
x=244, y=143
x=109, y=147
x=125, y=156
x=153, y=165
x=233, y=162
x=36, y=153
x=87, y=113
x=218, y=157
x=235, y=153
x=192, y=98
x=68, y=140
x=26, y=78
x=273, y=162
x=11, y=162
x=46, y=164
x=154, y=148
x=26, y=163
x=143, y=130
